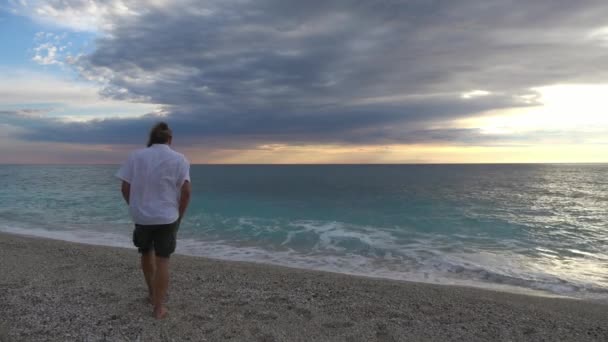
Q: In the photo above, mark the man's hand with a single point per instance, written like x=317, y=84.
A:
x=125, y=188
x=184, y=199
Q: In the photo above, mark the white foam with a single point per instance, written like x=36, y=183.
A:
x=332, y=233
x=422, y=264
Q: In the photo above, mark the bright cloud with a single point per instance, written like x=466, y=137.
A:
x=79, y=15
x=474, y=93
x=574, y=110
x=46, y=54
x=50, y=49
x=63, y=97
x=88, y=15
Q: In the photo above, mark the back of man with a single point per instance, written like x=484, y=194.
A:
x=156, y=175
x=156, y=186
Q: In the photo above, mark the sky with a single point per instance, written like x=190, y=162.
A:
x=290, y=81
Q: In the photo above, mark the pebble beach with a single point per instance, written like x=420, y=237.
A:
x=52, y=290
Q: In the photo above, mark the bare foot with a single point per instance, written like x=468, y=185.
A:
x=160, y=312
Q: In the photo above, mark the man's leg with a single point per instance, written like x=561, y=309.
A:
x=164, y=246
x=161, y=283
x=147, y=265
x=142, y=239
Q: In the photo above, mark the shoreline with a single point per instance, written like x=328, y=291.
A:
x=57, y=290
x=113, y=240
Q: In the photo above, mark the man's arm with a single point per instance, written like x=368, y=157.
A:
x=184, y=199
x=125, y=188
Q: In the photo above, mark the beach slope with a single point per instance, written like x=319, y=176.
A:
x=61, y=291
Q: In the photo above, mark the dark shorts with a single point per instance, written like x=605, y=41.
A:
x=160, y=238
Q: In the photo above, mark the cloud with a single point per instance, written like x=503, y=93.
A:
x=35, y=125
x=50, y=49
x=26, y=152
x=340, y=72
x=62, y=97
x=78, y=15
x=46, y=54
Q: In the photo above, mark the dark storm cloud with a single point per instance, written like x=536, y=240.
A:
x=241, y=135
x=40, y=127
x=361, y=124
x=359, y=72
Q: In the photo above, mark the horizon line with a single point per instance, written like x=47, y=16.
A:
x=323, y=164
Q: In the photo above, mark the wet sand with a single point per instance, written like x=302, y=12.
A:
x=61, y=291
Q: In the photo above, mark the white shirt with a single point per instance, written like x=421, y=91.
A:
x=156, y=175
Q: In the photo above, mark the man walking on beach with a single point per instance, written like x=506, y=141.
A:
x=156, y=186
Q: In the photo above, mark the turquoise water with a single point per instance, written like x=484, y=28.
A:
x=540, y=228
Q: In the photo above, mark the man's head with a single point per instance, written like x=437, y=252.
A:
x=160, y=134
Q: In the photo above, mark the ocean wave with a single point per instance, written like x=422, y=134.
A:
x=420, y=261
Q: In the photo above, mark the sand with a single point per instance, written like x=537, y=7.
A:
x=60, y=291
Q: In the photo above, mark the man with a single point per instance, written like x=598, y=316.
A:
x=156, y=186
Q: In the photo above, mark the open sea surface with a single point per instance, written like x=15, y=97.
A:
x=539, y=229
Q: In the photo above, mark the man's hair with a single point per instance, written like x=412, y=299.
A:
x=160, y=134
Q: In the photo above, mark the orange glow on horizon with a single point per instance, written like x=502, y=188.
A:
x=403, y=154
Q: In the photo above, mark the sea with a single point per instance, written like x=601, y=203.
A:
x=540, y=229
